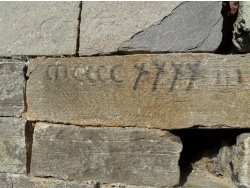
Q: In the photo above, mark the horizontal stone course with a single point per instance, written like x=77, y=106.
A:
x=12, y=145
x=127, y=155
x=23, y=181
x=12, y=84
x=38, y=28
x=171, y=91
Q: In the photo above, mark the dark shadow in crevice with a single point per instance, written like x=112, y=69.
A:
x=78, y=31
x=229, y=12
x=29, y=131
x=201, y=144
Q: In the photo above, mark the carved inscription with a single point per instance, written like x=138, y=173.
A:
x=166, y=91
x=157, y=70
x=83, y=73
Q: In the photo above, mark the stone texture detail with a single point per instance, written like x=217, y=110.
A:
x=193, y=26
x=169, y=91
x=200, y=179
x=133, y=156
x=120, y=185
x=23, y=181
x=241, y=161
x=106, y=25
x=171, y=26
x=241, y=33
x=38, y=28
x=12, y=84
x=12, y=145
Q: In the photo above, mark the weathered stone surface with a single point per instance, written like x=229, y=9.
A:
x=133, y=156
x=12, y=145
x=171, y=26
x=102, y=30
x=241, y=161
x=193, y=26
x=38, y=28
x=200, y=179
x=225, y=161
x=5, y=181
x=12, y=84
x=241, y=33
x=23, y=181
x=120, y=185
x=158, y=91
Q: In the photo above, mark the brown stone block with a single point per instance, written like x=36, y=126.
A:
x=169, y=91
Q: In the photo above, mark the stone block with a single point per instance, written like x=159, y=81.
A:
x=241, y=161
x=23, y=181
x=133, y=156
x=241, y=33
x=169, y=91
x=171, y=27
x=38, y=28
x=12, y=145
x=12, y=83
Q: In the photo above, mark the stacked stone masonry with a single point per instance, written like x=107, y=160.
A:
x=92, y=94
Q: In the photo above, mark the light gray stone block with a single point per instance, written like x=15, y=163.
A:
x=38, y=28
x=12, y=145
x=108, y=27
x=12, y=83
x=132, y=156
x=241, y=33
x=23, y=181
x=170, y=91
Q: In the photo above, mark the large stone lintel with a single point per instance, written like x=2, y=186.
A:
x=169, y=91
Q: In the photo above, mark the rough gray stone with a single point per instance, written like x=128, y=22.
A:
x=12, y=145
x=241, y=33
x=132, y=156
x=171, y=26
x=192, y=26
x=12, y=84
x=170, y=91
x=5, y=181
x=241, y=161
x=106, y=25
x=38, y=28
x=23, y=181
x=224, y=160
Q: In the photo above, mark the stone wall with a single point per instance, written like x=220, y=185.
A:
x=108, y=94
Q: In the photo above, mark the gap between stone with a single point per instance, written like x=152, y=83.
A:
x=29, y=131
x=229, y=12
x=201, y=149
x=78, y=31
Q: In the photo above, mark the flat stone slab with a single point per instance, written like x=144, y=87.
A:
x=23, y=181
x=12, y=145
x=169, y=91
x=12, y=83
x=132, y=156
x=38, y=28
x=171, y=27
